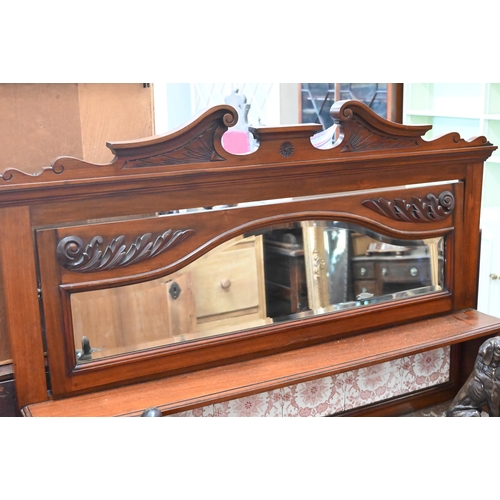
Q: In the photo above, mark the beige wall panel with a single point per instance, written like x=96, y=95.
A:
x=38, y=122
x=113, y=112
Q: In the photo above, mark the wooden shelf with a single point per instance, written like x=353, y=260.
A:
x=196, y=389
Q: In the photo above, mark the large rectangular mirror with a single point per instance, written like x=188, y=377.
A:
x=276, y=274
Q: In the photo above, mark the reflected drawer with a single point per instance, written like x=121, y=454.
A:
x=227, y=282
x=404, y=272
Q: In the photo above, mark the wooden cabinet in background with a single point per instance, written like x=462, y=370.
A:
x=74, y=119
x=382, y=274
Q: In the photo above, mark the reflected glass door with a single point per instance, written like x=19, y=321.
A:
x=317, y=98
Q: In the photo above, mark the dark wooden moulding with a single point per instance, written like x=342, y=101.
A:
x=373, y=176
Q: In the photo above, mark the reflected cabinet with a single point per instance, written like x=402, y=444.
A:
x=181, y=275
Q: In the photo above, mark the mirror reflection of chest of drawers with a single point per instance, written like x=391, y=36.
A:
x=221, y=291
x=379, y=274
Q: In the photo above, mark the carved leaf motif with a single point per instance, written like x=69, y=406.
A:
x=430, y=209
x=74, y=255
x=366, y=140
x=200, y=149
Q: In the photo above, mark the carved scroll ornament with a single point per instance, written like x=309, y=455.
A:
x=429, y=209
x=74, y=255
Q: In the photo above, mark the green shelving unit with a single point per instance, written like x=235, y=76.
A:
x=471, y=109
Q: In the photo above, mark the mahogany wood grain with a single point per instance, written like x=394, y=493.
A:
x=225, y=349
x=5, y=356
x=471, y=238
x=195, y=389
x=22, y=307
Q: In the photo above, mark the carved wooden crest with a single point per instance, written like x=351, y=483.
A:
x=198, y=146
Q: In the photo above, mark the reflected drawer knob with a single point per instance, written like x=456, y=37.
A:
x=493, y=276
x=362, y=271
x=225, y=284
x=384, y=271
x=413, y=271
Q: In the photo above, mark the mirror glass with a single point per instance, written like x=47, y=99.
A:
x=275, y=274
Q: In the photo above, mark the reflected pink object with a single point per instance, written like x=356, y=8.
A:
x=236, y=141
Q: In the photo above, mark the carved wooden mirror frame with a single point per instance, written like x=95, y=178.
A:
x=373, y=176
